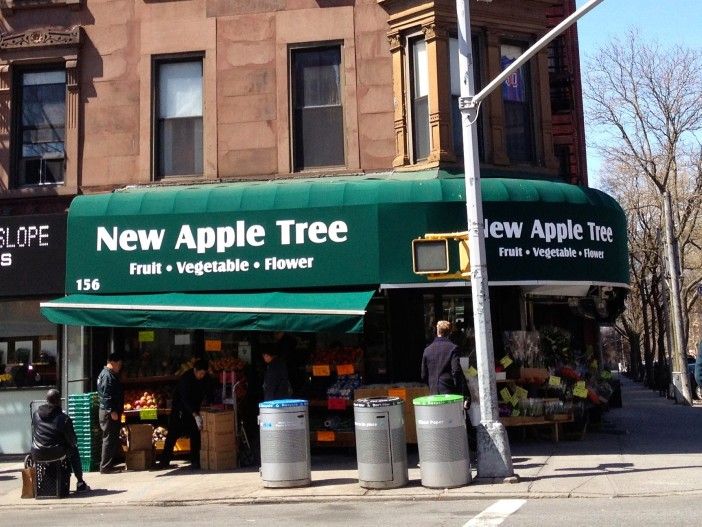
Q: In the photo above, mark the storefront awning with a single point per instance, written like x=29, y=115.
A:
x=271, y=311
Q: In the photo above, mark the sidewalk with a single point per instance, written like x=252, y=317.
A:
x=651, y=447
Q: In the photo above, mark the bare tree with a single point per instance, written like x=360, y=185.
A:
x=648, y=102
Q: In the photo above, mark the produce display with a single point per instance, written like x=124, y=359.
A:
x=135, y=399
x=344, y=386
x=159, y=434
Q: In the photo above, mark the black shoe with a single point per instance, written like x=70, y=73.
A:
x=111, y=470
x=163, y=465
x=82, y=487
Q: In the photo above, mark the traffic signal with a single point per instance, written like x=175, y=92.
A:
x=430, y=256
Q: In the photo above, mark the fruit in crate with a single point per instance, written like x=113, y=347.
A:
x=227, y=364
x=159, y=434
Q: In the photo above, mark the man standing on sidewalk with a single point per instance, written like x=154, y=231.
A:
x=441, y=367
x=111, y=395
x=185, y=417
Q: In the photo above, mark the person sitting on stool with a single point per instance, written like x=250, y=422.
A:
x=53, y=437
x=185, y=413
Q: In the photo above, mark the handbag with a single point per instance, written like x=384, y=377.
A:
x=29, y=474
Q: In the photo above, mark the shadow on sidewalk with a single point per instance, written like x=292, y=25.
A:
x=580, y=472
x=333, y=481
x=92, y=493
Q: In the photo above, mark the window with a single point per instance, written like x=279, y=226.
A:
x=419, y=98
x=456, y=124
x=318, y=114
x=516, y=97
x=179, y=106
x=41, y=126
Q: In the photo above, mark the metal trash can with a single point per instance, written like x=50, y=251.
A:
x=285, y=443
x=381, y=448
x=442, y=439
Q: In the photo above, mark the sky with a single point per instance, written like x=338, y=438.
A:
x=669, y=22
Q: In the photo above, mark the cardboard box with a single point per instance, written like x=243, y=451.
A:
x=139, y=459
x=139, y=437
x=220, y=460
x=218, y=422
x=407, y=393
x=218, y=442
x=204, y=459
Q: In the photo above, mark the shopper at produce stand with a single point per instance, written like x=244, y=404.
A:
x=111, y=394
x=191, y=391
x=441, y=367
x=276, y=384
x=53, y=437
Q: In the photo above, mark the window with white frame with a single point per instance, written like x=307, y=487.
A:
x=179, y=110
x=317, y=107
x=419, y=98
x=39, y=144
x=516, y=98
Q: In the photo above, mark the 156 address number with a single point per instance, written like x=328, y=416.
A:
x=88, y=284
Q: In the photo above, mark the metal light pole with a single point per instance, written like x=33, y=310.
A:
x=494, y=457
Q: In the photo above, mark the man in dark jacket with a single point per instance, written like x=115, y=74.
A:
x=441, y=368
x=185, y=417
x=111, y=394
x=53, y=437
x=276, y=384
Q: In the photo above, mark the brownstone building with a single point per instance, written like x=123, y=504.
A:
x=100, y=95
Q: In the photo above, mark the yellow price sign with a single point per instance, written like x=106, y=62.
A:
x=326, y=436
x=398, y=392
x=147, y=336
x=554, y=381
x=345, y=369
x=515, y=400
x=516, y=412
x=321, y=370
x=520, y=393
x=506, y=361
x=472, y=372
x=148, y=414
x=580, y=384
x=580, y=391
x=506, y=396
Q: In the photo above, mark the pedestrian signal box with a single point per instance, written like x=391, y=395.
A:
x=430, y=256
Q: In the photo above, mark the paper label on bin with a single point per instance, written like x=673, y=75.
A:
x=148, y=414
x=398, y=392
x=580, y=391
x=520, y=392
x=321, y=370
x=554, y=381
x=336, y=403
x=345, y=369
x=326, y=436
x=506, y=361
x=506, y=396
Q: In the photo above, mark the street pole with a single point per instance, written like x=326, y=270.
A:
x=494, y=456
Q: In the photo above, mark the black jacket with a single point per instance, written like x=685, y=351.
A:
x=110, y=390
x=52, y=433
x=189, y=393
x=441, y=368
x=276, y=384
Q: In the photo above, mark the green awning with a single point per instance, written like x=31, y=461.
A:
x=271, y=311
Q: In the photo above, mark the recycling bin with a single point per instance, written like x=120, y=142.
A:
x=285, y=443
x=381, y=448
x=442, y=441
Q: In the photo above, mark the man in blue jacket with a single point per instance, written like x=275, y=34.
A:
x=111, y=394
x=441, y=367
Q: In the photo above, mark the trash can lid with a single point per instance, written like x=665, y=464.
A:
x=283, y=403
x=433, y=400
x=377, y=402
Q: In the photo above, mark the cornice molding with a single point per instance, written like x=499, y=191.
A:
x=41, y=38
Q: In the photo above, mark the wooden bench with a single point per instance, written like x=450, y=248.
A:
x=554, y=423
